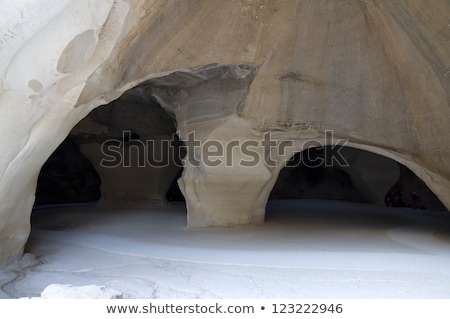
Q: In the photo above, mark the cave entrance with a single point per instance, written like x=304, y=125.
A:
x=125, y=153
x=350, y=182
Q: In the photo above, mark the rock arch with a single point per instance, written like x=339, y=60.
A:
x=348, y=173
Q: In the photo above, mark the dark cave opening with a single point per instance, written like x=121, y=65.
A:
x=359, y=176
x=121, y=154
x=67, y=177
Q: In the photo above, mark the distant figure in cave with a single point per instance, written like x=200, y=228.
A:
x=397, y=200
x=388, y=199
x=416, y=201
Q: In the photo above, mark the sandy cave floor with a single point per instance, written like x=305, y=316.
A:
x=306, y=249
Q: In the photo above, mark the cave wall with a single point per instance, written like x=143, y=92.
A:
x=374, y=72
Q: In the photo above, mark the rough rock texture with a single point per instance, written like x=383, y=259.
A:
x=36, y=100
x=374, y=72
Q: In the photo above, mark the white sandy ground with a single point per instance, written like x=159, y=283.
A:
x=306, y=249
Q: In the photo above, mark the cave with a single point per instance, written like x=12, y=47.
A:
x=237, y=89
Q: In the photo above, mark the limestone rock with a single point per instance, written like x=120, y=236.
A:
x=56, y=291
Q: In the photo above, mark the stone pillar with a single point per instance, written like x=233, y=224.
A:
x=224, y=196
x=225, y=174
x=228, y=177
x=134, y=172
